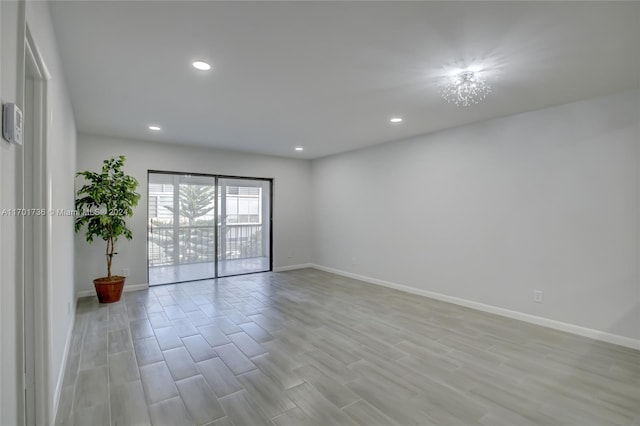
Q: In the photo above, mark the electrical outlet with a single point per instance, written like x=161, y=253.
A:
x=537, y=296
x=125, y=272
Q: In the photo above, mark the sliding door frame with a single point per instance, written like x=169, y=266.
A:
x=216, y=179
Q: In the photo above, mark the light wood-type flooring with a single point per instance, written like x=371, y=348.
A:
x=310, y=348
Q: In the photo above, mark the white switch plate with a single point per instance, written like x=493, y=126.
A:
x=537, y=296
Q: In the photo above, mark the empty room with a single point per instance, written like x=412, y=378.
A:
x=290, y=213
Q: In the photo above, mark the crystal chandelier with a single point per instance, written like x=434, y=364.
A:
x=465, y=89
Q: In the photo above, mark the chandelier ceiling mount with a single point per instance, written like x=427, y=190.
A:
x=465, y=88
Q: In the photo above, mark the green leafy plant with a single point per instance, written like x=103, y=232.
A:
x=104, y=202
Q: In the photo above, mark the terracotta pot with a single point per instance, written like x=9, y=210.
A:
x=109, y=290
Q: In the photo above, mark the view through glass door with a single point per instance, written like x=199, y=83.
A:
x=189, y=241
x=244, y=232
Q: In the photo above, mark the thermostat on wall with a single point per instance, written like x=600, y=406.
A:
x=12, y=123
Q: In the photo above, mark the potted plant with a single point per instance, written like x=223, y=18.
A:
x=102, y=204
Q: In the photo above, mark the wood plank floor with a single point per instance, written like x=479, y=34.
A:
x=310, y=348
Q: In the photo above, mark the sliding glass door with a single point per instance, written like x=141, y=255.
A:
x=203, y=226
x=244, y=232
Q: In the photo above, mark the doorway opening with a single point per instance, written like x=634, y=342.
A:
x=207, y=226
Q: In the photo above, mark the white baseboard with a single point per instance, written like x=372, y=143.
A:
x=292, y=267
x=533, y=319
x=135, y=287
x=65, y=356
x=127, y=287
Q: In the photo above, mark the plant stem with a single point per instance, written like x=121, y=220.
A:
x=109, y=256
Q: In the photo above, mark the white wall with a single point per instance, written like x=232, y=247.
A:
x=61, y=140
x=488, y=212
x=10, y=196
x=291, y=205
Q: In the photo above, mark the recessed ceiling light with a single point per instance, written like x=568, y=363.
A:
x=395, y=120
x=299, y=148
x=155, y=128
x=202, y=66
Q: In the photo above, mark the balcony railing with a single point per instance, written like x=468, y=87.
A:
x=196, y=244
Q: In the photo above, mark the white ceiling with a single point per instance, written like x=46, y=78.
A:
x=329, y=75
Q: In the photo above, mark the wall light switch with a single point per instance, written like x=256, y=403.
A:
x=537, y=296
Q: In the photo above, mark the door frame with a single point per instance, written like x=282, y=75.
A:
x=217, y=177
x=36, y=255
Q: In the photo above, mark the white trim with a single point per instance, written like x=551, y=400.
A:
x=35, y=51
x=533, y=319
x=292, y=267
x=67, y=347
x=136, y=287
x=127, y=287
x=38, y=193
